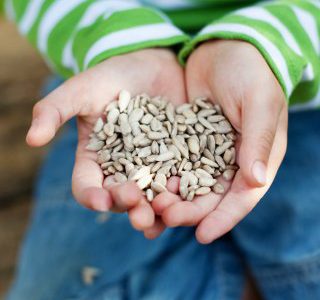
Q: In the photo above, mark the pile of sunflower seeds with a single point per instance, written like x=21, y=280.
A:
x=147, y=140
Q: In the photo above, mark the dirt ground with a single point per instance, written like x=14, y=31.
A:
x=22, y=73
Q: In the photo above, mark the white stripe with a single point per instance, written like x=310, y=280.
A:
x=315, y=3
x=94, y=11
x=309, y=24
x=131, y=36
x=171, y=4
x=269, y=47
x=30, y=15
x=57, y=11
x=10, y=12
x=312, y=104
x=261, y=14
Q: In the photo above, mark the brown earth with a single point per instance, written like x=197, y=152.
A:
x=21, y=75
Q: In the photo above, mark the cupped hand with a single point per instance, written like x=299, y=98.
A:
x=155, y=71
x=234, y=75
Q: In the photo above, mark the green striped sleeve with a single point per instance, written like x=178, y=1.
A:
x=74, y=35
x=287, y=33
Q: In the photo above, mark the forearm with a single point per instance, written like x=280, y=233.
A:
x=287, y=34
x=77, y=34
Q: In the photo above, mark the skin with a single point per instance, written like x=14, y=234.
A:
x=230, y=73
x=234, y=75
x=86, y=96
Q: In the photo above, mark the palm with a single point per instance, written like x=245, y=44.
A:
x=155, y=71
x=219, y=214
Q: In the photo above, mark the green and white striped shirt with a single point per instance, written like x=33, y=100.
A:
x=74, y=35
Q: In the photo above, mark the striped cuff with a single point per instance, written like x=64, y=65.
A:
x=74, y=35
x=278, y=30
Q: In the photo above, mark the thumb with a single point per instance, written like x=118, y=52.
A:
x=259, y=125
x=50, y=113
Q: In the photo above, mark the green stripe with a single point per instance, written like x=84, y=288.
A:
x=233, y=36
x=33, y=33
x=60, y=35
x=121, y=20
x=169, y=42
x=20, y=8
x=305, y=91
x=294, y=62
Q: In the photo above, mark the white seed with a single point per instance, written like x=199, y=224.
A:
x=202, y=191
x=202, y=173
x=113, y=115
x=95, y=145
x=215, y=119
x=165, y=156
x=190, y=196
x=120, y=178
x=98, y=126
x=108, y=129
x=124, y=99
x=146, y=119
x=221, y=149
x=155, y=125
x=180, y=147
x=209, y=162
x=211, y=143
x=158, y=187
x=145, y=181
x=220, y=161
x=194, y=144
x=155, y=135
x=150, y=195
x=156, y=167
x=142, y=172
x=153, y=109
x=136, y=115
x=218, y=188
x=207, y=181
x=228, y=174
x=144, y=152
x=124, y=124
x=180, y=109
x=218, y=139
x=170, y=113
x=161, y=178
x=206, y=124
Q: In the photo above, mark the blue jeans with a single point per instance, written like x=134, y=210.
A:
x=279, y=242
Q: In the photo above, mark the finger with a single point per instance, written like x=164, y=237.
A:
x=87, y=181
x=242, y=198
x=142, y=215
x=190, y=213
x=125, y=196
x=259, y=125
x=50, y=113
x=173, y=184
x=155, y=230
x=164, y=200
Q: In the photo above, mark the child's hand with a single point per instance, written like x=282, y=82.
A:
x=234, y=75
x=86, y=95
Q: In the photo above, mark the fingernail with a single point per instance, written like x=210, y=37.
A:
x=100, y=205
x=259, y=171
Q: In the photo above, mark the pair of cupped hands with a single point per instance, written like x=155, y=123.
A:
x=232, y=74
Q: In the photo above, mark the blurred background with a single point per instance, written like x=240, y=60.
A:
x=22, y=73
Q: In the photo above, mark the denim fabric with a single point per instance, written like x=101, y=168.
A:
x=279, y=241
x=64, y=238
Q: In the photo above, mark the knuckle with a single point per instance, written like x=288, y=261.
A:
x=266, y=140
x=37, y=108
